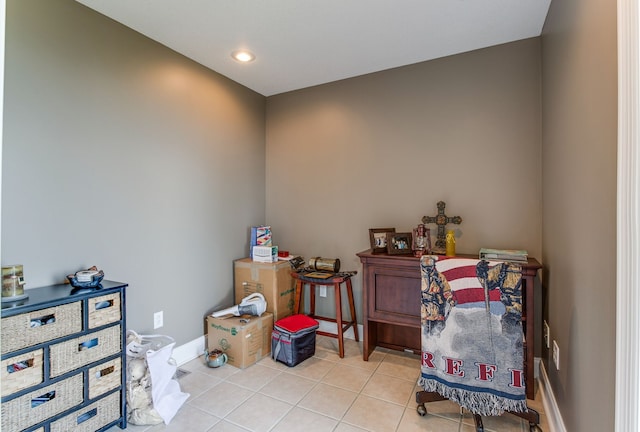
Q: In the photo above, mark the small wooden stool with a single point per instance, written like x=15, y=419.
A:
x=335, y=281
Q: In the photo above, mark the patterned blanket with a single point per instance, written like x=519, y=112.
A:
x=472, y=338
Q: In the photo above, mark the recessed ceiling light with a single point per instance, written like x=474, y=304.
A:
x=243, y=56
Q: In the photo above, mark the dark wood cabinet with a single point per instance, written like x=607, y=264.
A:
x=391, y=306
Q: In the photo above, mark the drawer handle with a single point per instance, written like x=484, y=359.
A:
x=43, y=399
x=21, y=365
x=105, y=371
x=88, y=344
x=43, y=320
x=104, y=304
x=86, y=416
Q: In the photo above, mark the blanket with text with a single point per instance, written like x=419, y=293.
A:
x=472, y=338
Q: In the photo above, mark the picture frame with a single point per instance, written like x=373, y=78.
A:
x=421, y=240
x=399, y=243
x=378, y=239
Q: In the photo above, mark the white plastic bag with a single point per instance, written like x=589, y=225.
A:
x=166, y=396
x=138, y=345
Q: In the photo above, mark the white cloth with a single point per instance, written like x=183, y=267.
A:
x=166, y=396
x=165, y=391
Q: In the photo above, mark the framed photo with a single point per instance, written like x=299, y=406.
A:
x=399, y=243
x=378, y=239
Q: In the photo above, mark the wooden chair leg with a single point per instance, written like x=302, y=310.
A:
x=531, y=415
x=298, y=299
x=339, y=319
x=352, y=309
x=478, y=420
x=426, y=397
x=312, y=299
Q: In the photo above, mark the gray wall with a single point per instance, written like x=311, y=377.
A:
x=121, y=153
x=579, y=201
x=381, y=150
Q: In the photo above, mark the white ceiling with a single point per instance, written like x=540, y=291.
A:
x=302, y=43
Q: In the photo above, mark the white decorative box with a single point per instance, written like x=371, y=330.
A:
x=265, y=254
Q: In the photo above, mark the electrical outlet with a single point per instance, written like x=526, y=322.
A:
x=556, y=355
x=323, y=291
x=158, y=319
x=547, y=334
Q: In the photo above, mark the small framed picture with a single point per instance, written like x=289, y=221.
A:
x=399, y=243
x=378, y=239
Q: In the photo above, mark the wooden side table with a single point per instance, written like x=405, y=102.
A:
x=334, y=281
x=391, y=313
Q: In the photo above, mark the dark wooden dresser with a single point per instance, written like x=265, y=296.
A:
x=63, y=360
x=391, y=305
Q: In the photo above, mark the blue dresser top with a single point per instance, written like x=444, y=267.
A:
x=54, y=295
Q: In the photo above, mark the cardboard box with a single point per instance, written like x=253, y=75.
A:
x=273, y=280
x=245, y=343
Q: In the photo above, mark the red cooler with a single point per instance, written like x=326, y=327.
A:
x=293, y=339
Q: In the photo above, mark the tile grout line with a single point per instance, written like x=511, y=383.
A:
x=394, y=366
x=319, y=381
x=301, y=398
x=359, y=393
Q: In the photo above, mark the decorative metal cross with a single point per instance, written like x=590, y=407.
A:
x=441, y=220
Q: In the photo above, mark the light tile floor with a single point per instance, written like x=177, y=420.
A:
x=322, y=394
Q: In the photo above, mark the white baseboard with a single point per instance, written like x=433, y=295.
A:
x=185, y=353
x=330, y=327
x=549, y=402
x=189, y=351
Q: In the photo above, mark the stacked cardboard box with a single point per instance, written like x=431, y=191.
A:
x=273, y=280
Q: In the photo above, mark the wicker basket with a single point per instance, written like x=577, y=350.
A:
x=108, y=310
x=74, y=353
x=32, y=327
x=22, y=412
x=21, y=372
x=91, y=417
x=105, y=377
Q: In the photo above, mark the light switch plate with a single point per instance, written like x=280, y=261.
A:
x=158, y=319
